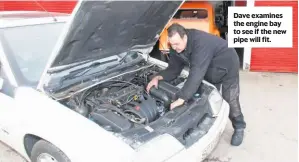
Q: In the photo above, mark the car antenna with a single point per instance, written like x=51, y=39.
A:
x=45, y=10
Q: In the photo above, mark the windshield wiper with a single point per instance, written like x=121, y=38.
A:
x=60, y=69
x=77, y=77
x=84, y=70
x=130, y=57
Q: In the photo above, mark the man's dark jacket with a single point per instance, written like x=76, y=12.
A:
x=208, y=58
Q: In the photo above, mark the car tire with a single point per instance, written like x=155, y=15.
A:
x=45, y=150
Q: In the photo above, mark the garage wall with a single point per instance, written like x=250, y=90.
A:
x=241, y=3
x=1, y=6
x=277, y=59
x=51, y=6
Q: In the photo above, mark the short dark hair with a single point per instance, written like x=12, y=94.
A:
x=176, y=28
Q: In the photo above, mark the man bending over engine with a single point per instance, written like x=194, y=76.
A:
x=209, y=58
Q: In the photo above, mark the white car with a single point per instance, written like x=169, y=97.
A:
x=72, y=88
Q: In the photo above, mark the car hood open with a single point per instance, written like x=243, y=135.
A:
x=99, y=29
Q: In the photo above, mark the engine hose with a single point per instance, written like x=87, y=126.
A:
x=81, y=109
x=114, y=108
x=161, y=95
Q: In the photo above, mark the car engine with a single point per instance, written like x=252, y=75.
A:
x=121, y=104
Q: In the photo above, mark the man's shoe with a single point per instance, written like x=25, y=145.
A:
x=237, y=137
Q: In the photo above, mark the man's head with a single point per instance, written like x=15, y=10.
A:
x=177, y=37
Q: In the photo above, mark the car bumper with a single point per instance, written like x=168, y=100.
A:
x=201, y=149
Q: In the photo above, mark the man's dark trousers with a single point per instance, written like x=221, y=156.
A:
x=230, y=88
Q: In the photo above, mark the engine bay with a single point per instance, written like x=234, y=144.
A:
x=121, y=104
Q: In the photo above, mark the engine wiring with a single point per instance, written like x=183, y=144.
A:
x=116, y=109
x=84, y=98
x=122, y=100
x=128, y=83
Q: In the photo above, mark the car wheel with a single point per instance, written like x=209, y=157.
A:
x=44, y=151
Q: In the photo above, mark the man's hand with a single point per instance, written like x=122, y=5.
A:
x=177, y=103
x=153, y=82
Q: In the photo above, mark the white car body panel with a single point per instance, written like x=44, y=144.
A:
x=20, y=114
x=27, y=111
x=36, y=114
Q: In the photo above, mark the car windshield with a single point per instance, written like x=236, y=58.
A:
x=30, y=48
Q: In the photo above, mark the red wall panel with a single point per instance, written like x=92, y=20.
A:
x=277, y=59
x=240, y=3
x=51, y=6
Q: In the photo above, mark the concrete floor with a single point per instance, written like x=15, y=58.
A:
x=269, y=102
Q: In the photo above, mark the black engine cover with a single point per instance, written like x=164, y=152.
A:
x=144, y=109
x=110, y=120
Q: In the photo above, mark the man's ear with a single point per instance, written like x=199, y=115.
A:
x=185, y=38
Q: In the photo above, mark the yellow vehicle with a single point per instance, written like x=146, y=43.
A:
x=208, y=16
x=197, y=15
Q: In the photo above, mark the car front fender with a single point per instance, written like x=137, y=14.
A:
x=78, y=137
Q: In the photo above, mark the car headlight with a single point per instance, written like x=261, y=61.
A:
x=215, y=101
